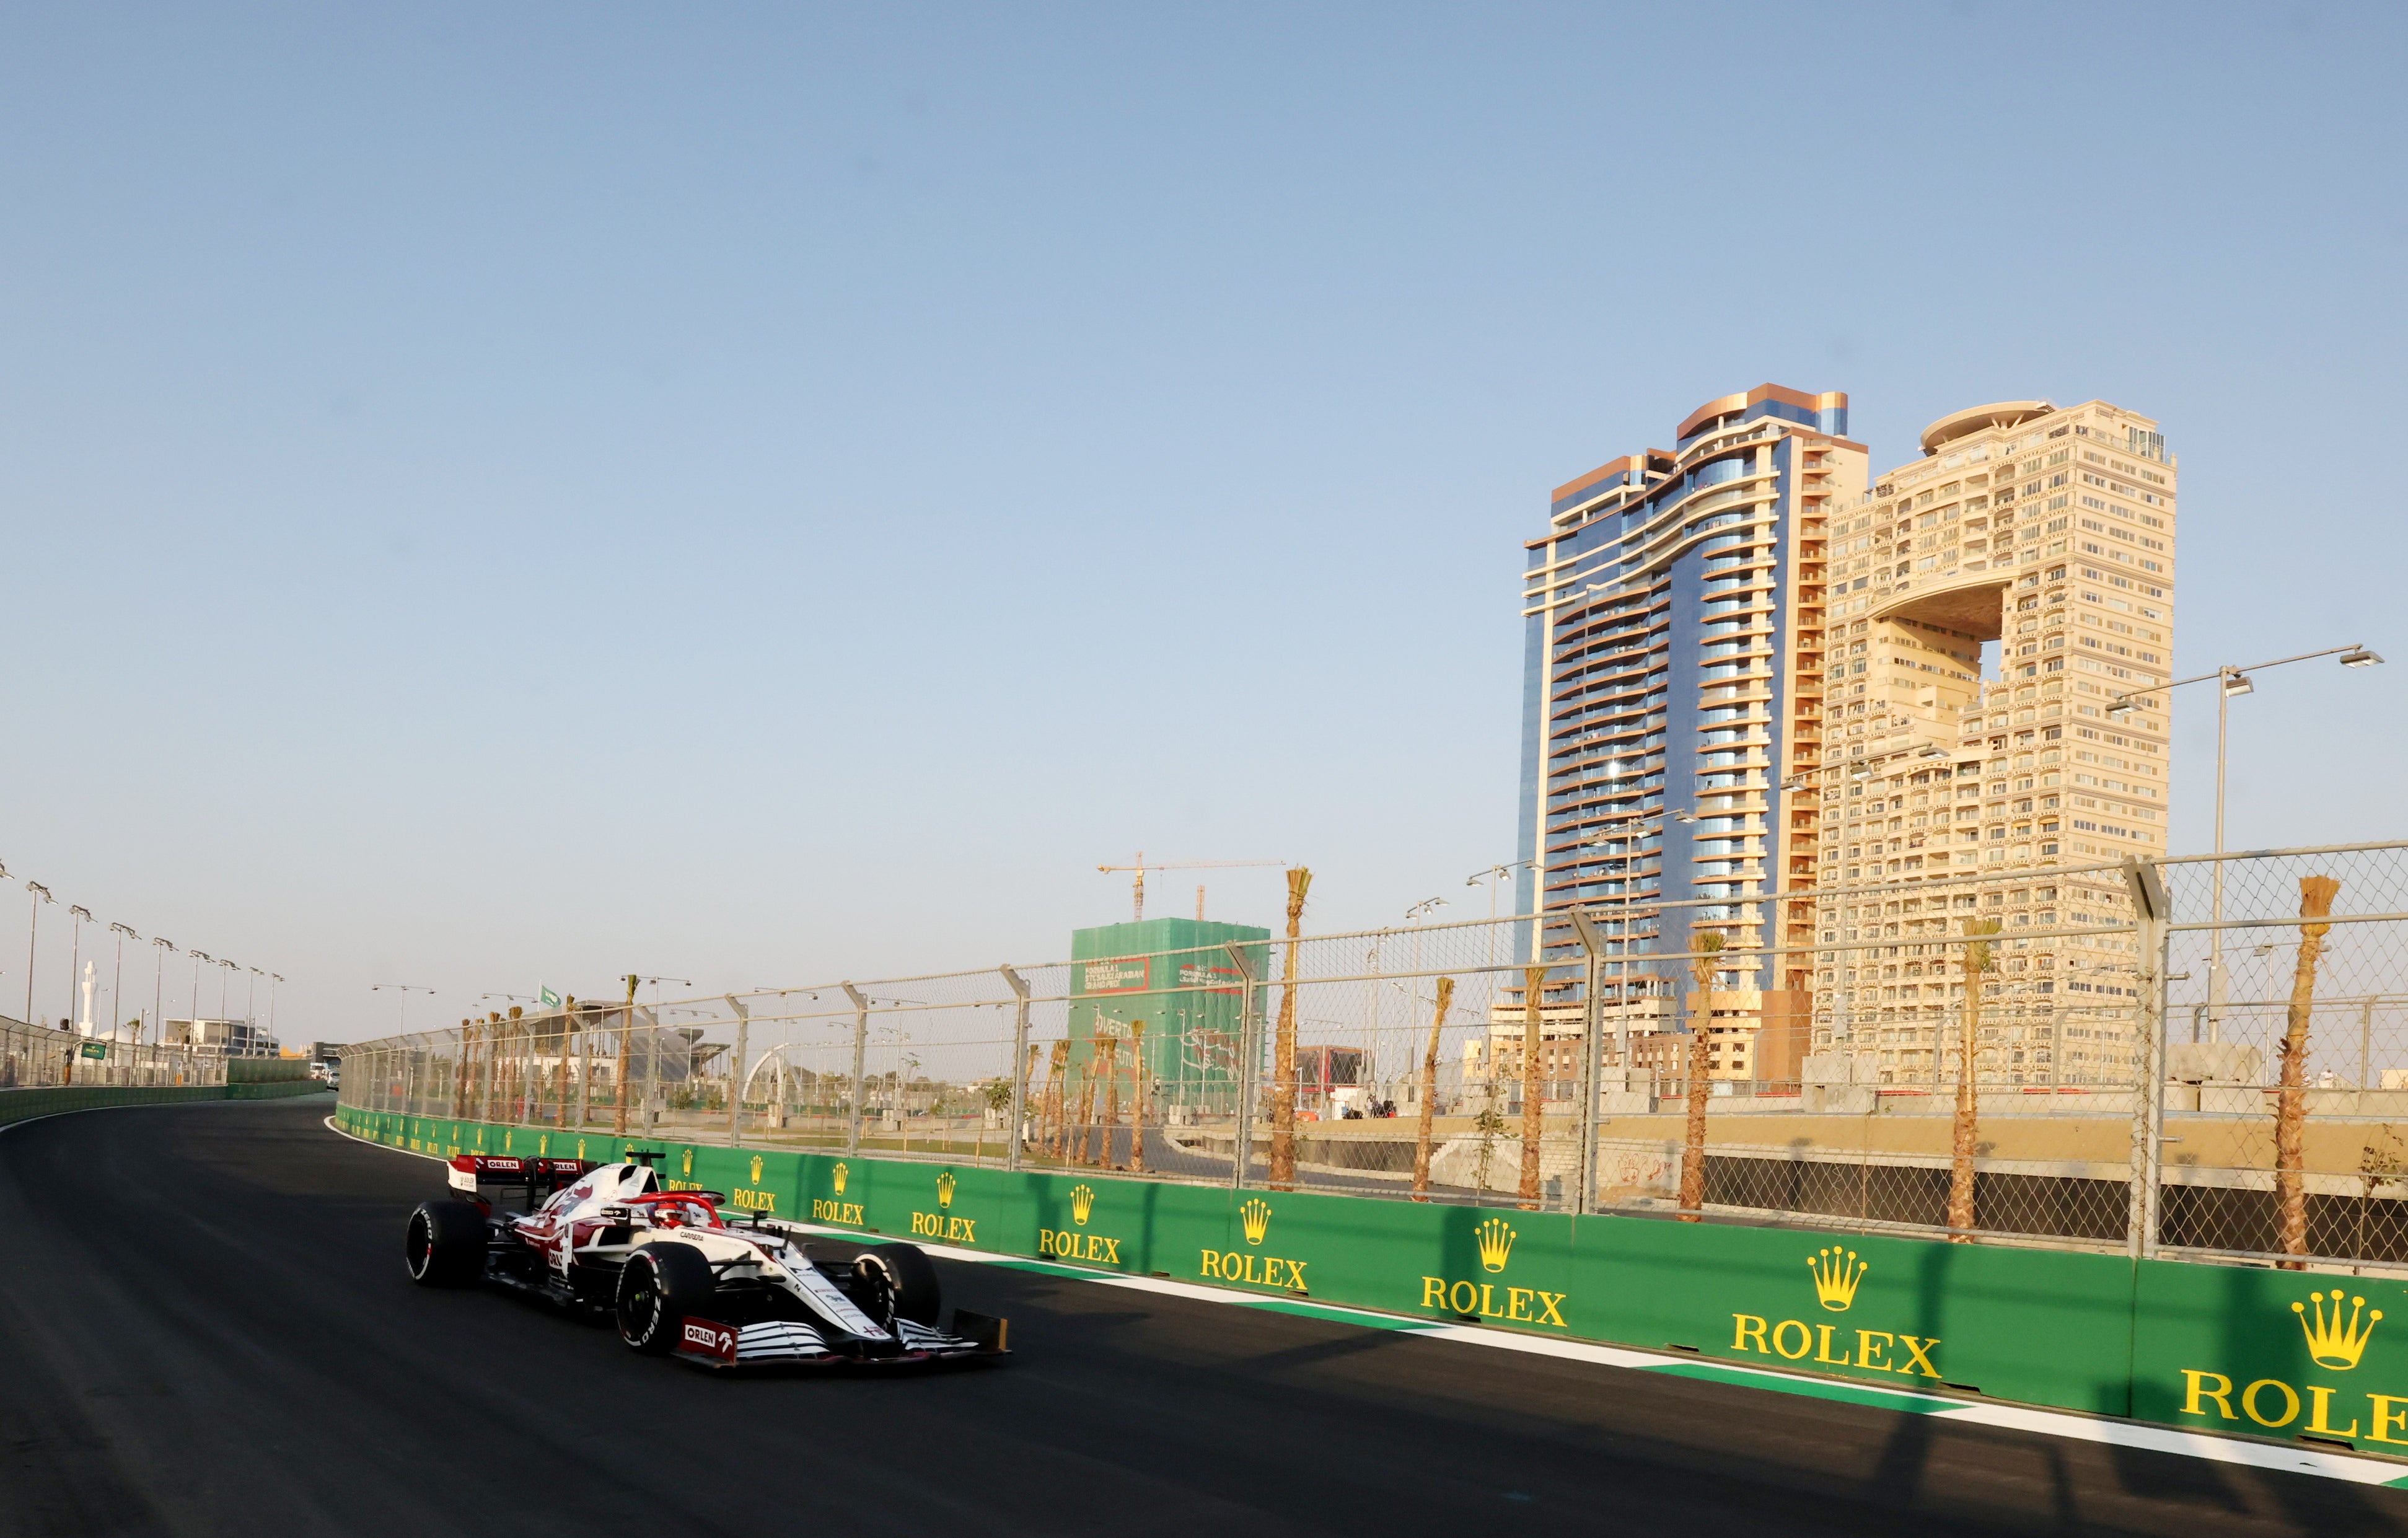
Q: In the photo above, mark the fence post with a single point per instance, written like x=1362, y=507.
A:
x=1019, y=1112
x=860, y=1062
x=1249, y=1051
x=2365, y=1050
x=1592, y=1044
x=493, y=1065
x=2148, y=1059
x=736, y=1072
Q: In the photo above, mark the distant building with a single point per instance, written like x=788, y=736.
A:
x=229, y=1038
x=1674, y=615
x=2049, y=532
x=1176, y=979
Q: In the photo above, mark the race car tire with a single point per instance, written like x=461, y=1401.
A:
x=658, y=1288
x=445, y=1247
x=908, y=1277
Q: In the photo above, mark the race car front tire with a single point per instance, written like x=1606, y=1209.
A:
x=909, y=1276
x=658, y=1288
x=445, y=1243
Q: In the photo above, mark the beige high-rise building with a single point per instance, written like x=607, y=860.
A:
x=2047, y=532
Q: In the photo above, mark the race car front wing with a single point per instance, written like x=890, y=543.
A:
x=791, y=1343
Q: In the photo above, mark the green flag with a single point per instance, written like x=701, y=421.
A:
x=545, y=997
x=95, y=1049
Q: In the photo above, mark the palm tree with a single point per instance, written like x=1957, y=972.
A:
x=1960, y=1166
x=1429, y=1091
x=1708, y=944
x=1283, y=1048
x=1534, y=1110
x=2316, y=894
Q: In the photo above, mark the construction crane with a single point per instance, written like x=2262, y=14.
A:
x=1137, y=889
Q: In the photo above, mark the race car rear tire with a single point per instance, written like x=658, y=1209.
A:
x=658, y=1288
x=910, y=1278
x=445, y=1247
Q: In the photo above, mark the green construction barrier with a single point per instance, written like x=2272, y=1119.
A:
x=2256, y=1352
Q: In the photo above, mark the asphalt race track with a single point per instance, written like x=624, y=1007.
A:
x=205, y=1329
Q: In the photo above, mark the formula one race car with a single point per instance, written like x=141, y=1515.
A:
x=608, y=1240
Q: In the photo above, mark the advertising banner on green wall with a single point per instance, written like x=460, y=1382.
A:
x=2265, y=1353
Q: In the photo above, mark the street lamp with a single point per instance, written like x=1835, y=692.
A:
x=41, y=895
x=2232, y=683
x=1423, y=908
x=198, y=957
x=163, y=948
x=273, y=979
x=405, y=990
x=117, y=982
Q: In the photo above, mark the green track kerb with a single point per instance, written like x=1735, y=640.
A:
x=2200, y=1347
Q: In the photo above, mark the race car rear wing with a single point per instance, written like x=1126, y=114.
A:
x=474, y=1173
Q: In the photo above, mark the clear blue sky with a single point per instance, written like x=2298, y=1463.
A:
x=535, y=492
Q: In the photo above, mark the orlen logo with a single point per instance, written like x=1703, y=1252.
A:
x=708, y=1340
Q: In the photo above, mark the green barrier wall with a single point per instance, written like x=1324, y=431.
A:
x=24, y=1104
x=2259, y=1352
x=267, y=1070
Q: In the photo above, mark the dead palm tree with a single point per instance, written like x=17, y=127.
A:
x=1086, y=1115
x=1960, y=1166
x=1283, y=1048
x=1429, y=1091
x=1534, y=1110
x=1708, y=944
x=2316, y=894
x=1111, y=1103
x=1137, y=1097
x=619, y=1075
x=1054, y=1132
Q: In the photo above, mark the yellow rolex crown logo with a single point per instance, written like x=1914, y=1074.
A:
x=581, y=1146
x=1256, y=1216
x=945, y=1189
x=1082, y=1201
x=1496, y=1238
x=689, y=1162
x=842, y=1173
x=1837, y=1271
x=2334, y=1341
x=756, y=1169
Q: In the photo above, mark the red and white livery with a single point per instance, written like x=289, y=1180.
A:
x=678, y=1278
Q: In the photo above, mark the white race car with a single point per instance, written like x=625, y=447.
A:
x=679, y=1278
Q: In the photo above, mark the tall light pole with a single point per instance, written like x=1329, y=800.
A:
x=198, y=957
x=226, y=969
x=163, y=948
x=40, y=895
x=75, y=955
x=250, y=1000
x=2231, y=683
x=404, y=990
x=117, y=982
x=273, y=979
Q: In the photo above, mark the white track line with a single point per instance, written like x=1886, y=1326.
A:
x=2111, y=1433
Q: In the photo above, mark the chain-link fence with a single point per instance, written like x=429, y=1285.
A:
x=2009, y=1055
x=34, y=1057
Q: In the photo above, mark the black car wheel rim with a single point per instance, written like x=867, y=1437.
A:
x=638, y=1310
